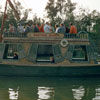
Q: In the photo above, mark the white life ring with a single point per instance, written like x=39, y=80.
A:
x=64, y=43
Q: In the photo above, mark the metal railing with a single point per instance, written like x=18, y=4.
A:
x=67, y=35
x=77, y=36
x=15, y=35
x=95, y=41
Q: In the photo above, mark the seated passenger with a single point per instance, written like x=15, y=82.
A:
x=15, y=56
x=52, y=59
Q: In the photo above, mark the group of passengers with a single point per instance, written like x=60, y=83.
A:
x=46, y=28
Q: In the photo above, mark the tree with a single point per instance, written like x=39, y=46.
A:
x=1, y=14
x=69, y=11
x=22, y=12
x=37, y=20
x=87, y=20
x=51, y=11
x=60, y=10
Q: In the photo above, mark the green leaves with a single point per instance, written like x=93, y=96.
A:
x=59, y=11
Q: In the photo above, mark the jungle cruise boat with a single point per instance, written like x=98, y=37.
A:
x=42, y=54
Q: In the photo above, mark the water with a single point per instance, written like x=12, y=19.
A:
x=46, y=88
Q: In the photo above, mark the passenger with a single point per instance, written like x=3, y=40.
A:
x=67, y=30
x=47, y=28
x=15, y=56
x=12, y=28
x=38, y=26
x=62, y=28
x=5, y=31
x=73, y=29
x=52, y=28
x=27, y=28
x=35, y=28
x=20, y=28
x=52, y=59
x=57, y=29
x=42, y=28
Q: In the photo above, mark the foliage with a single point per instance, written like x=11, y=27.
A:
x=58, y=11
x=23, y=13
x=62, y=11
x=52, y=10
x=1, y=13
x=37, y=20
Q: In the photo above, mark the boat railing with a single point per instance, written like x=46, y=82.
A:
x=30, y=35
x=76, y=36
x=15, y=35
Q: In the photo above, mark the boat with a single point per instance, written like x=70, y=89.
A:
x=42, y=54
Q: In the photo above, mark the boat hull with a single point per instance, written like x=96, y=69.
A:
x=21, y=70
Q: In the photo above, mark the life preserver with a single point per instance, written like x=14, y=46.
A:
x=64, y=43
x=82, y=32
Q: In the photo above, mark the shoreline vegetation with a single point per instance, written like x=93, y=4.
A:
x=57, y=12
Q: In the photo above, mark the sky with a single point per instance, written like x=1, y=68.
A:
x=38, y=6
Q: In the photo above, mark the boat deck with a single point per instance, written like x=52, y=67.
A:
x=43, y=37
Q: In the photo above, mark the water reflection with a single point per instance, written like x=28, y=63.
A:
x=45, y=93
x=13, y=94
x=35, y=88
x=78, y=93
x=97, y=94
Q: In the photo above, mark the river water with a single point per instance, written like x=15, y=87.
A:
x=49, y=88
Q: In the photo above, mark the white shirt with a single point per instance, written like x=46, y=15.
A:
x=20, y=29
x=57, y=30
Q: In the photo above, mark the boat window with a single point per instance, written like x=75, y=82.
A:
x=10, y=51
x=45, y=53
x=79, y=53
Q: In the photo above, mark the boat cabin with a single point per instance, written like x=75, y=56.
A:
x=42, y=48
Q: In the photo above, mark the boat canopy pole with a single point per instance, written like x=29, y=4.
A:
x=3, y=21
x=5, y=16
x=15, y=11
